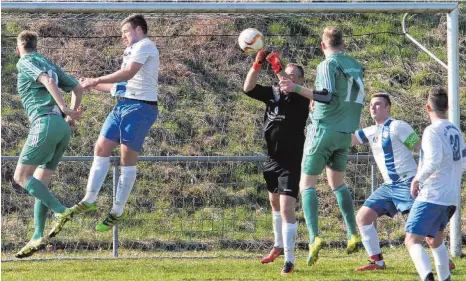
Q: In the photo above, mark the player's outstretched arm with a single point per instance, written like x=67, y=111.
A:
x=354, y=140
x=274, y=60
x=106, y=88
x=252, y=77
x=121, y=75
x=51, y=86
x=76, y=97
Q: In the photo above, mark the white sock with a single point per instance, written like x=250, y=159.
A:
x=421, y=260
x=97, y=175
x=277, y=229
x=441, y=261
x=370, y=240
x=125, y=185
x=289, y=232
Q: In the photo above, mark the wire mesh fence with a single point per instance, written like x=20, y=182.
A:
x=195, y=206
x=178, y=206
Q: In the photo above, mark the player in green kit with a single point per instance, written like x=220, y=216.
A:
x=339, y=96
x=39, y=81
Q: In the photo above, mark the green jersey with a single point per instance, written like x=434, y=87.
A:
x=342, y=76
x=37, y=101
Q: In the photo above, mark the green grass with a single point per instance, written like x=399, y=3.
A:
x=331, y=266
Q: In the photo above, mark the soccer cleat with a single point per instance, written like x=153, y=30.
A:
x=274, y=253
x=430, y=277
x=371, y=266
x=30, y=248
x=60, y=220
x=314, y=249
x=84, y=207
x=109, y=221
x=451, y=265
x=288, y=268
x=373, y=263
x=353, y=244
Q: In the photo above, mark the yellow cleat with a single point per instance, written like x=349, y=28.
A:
x=314, y=249
x=353, y=244
x=31, y=247
x=60, y=220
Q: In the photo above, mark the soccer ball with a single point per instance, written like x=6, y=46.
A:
x=251, y=41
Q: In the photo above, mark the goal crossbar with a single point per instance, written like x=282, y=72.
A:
x=244, y=7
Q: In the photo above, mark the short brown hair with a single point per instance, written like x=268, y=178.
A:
x=300, y=69
x=385, y=95
x=438, y=99
x=28, y=40
x=135, y=21
x=333, y=35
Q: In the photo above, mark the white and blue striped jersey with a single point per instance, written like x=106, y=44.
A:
x=391, y=144
x=443, y=159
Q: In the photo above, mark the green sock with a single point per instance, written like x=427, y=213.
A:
x=39, y=190
x=345, y=202
x=310, y=206
x=40, y=216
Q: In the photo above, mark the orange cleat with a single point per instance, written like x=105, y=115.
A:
x=372, y=265
x=451, y=265
x=274, y=253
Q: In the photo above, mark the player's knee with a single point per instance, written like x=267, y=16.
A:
x=360, y=217
x=432, y=243
x=364, y=217
x=409, y=241
x=288, y=215
x=303, y=184
x=275, y=205
x=19, y=178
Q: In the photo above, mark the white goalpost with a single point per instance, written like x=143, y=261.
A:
x=449, y=8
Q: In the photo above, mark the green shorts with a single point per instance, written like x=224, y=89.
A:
x=47, y=141
x=324, y=148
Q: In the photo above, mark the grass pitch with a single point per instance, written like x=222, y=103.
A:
x=332, y=265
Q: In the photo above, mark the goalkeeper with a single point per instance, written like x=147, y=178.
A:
x=284, y=122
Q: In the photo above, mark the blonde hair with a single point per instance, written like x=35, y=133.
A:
x=28, y=40
x=333, y=36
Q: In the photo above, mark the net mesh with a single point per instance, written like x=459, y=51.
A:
x=198, y=208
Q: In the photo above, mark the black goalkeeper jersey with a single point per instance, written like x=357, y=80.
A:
x=284, y=122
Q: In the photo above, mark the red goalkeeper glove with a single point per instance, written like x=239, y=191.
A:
x=274, y=60
x=260, y=58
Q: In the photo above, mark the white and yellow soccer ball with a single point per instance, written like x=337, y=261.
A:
x=251, y=41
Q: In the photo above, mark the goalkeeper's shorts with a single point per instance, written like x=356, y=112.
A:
x=282, y=180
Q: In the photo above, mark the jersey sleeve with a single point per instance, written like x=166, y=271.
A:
x=327, y=71
x=261, y=93
x=66, y=82
x=431, y=154
x=406, y=134
x=31, y=68
x=141, y=53
x=463, y=154
x=364, y=134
